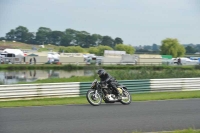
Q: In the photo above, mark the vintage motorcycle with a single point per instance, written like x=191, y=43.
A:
x=107, y=93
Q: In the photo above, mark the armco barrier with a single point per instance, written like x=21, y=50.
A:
x=72, y=89
x=39, y=90
x=175, y=84
x=134, y=86
x=84, y=87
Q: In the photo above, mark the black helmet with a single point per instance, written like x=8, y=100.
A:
x=101, y=72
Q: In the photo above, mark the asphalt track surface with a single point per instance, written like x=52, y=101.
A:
x=148, y=116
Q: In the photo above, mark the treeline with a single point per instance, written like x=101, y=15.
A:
x=94, y=43
x=155, y=49
x=98, y=50
x=69, y=37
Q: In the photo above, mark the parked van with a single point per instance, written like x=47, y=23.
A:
x=185, y=61
x=12, y=56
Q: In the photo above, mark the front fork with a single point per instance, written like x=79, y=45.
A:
x=123, y=90
x=95, y=93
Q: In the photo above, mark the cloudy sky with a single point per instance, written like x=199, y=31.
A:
x=137, y=22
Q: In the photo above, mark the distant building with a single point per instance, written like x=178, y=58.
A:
x=114, y=53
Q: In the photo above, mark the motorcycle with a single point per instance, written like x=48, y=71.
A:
x=107, y=93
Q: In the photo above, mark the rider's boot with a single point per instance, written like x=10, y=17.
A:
x=119, y=96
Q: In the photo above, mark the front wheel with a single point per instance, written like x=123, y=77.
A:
x=93, y=99
x=126, y=98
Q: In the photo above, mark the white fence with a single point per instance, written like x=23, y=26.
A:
x=72, y=89
x=18, y=91
x=175, y=84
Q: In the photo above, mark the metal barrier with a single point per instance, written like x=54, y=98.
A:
x=134, y=86
x=72, y=89
x=175, y=84
x=39, y=90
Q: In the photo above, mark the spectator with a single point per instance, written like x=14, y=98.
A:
x=179, y=61
x=34, y=60
x=30, y=60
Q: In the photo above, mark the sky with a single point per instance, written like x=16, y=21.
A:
x=136, y=22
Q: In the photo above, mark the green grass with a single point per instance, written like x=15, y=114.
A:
x=190, y=130
x=44, y=102
x=83, y=100
x=166, y=95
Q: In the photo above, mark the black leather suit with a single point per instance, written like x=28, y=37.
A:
x=106, y=78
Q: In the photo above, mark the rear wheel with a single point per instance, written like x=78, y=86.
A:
x=93, y=99
x=126, y=97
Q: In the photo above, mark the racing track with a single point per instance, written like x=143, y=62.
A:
x=107, y=118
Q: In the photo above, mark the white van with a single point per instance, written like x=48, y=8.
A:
x=185, y=61
x=12, y=56
x=9, y=58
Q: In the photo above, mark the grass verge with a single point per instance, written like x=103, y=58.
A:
x=83, y=100
x=190, y=130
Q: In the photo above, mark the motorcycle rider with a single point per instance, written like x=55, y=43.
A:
x=107, y=78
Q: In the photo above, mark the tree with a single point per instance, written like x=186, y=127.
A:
x=71, y=32
x=81, y=40
x=93, y=50
x=172, y=47
x=99, y=50
x=108, y=41
x=147, y=47
x=97, y=39
x=31, y=38
x=77, y=49
x=155, y=47
x=90, y=41
x=66, y=40
x=69, y=37
x=55, y=37
x=128, y=48
x=2, y=38
x=118, y=41
x=102, y=48
x=43, y=35
x=11, y=35
x=198, y=47
x=190, y=49
x=20, y=34
x=84, y=32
